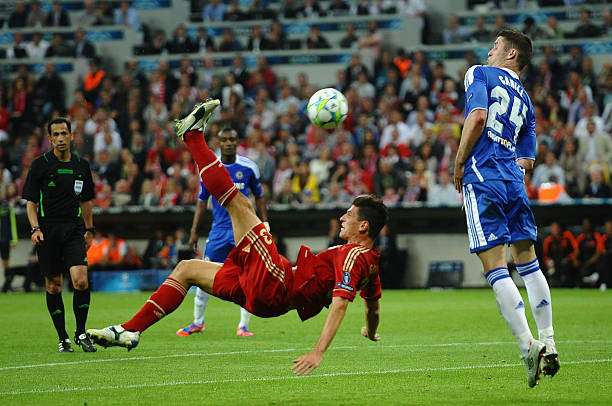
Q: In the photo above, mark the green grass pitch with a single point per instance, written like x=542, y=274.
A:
x=438, y=347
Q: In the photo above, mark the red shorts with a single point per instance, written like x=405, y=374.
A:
x=255, y=276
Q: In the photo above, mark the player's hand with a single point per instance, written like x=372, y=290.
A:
x=193, y=240
x=307, y=363
x=366, y=334
x=88, y=238
x=37, y=237
x=458, y=177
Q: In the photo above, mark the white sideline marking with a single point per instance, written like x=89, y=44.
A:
x=285, y=378
x=216, y=354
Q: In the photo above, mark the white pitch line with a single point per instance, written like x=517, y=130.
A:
x=284, y=378
x=228, y=353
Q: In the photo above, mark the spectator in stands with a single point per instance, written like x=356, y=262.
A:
x=127, y=16
x=543, y=172
x=363, y=87
x=19, y=16
x=572, y=167
x=455, y=33
x=361, y=8
x=228, y=42
x=88, y=16
x=57, y=17
x=105, y=13
x=305, y=184
x=387, y=177
x=149, y=196
x=203, y=41
x=350, y=37
x=157, y=46
x=93, y=79
x=50, y=91
x=37, y=47
x=257, y=41
x=59, y=48
x=370, y=44
x=560, y=256
x=316, y=40
x=310, y=9
x=595, y=146
x=531, y=29
x=597, y=186
x=481, y=34
x=214, y=11
x=20, y=105
x=590, y=249
x=586, y=28
x=443, y=193
x=339, y=8
x=131, y=259
x=36, y=16
x=18, y=48
x=552, y=29
x=233, y=12
x=180, y=42
x=500, y=23
x=82, y=47
x=396, y=132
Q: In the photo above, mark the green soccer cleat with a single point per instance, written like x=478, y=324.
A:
x=114, y=336
x=198, y=118
x=533, y=362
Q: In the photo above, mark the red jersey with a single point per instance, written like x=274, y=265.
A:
x=336, y=272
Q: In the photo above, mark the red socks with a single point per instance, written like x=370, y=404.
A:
x=212, y=172
x=164, y=301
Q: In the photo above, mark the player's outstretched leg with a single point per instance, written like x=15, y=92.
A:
x=539, y=299
x=162, y=302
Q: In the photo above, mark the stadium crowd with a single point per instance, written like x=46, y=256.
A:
x=399, y=140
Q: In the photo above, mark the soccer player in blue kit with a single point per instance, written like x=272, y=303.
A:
x=497, y=145
x=245, y=175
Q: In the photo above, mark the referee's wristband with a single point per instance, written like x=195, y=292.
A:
x=91, y=230
x=34, y=229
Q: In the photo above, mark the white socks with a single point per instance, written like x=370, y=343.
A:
x=245, y=319
x=511, y=306
x=539, y=298
x=199, y=306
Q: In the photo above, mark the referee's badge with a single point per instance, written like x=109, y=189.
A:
x=78, y=186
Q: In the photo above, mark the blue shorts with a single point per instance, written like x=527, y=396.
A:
x=497, y=212
x=218, y=245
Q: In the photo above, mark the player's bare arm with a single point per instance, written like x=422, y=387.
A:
x=37, y=234
x=372, y=316
x=526, y=164
x=308, y=362
x=472, y=129
x=87, y=209
x=262, y=210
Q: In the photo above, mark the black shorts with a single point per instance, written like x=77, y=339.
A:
x=63, y=247
x=5, y=249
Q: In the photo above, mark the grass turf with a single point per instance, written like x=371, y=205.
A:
x=437, y=347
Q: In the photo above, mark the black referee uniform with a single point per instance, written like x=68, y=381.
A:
x=59, y=188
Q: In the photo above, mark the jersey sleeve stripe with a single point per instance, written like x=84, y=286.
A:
x=351, y=257
x=249, y=164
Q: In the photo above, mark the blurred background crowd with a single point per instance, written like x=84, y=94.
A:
x=399, y=140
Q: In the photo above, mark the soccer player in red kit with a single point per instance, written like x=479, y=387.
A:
x=255, y=276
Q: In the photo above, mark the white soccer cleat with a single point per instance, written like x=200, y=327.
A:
x=533, y=362
x=198, y=118
x=550, y=361
x=114, y=336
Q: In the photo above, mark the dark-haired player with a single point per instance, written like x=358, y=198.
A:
x=497, y=146
x=256, y=276
x=59, y=190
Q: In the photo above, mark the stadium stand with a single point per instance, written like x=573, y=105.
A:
x=405, y=96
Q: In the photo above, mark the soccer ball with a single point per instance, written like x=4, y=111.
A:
x=327, y=108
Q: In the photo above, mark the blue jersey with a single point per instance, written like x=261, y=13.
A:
x=509, y=132
x=245, y=175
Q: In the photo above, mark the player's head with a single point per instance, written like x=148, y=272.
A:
x=511, y=49
x=366, y=217
x=228, y=140
x=60, y=133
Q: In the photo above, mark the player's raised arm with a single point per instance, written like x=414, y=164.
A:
x=308, y=362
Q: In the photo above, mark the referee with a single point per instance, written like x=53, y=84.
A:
x=59, y=191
